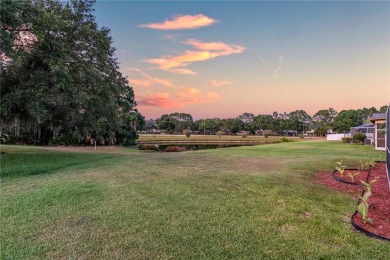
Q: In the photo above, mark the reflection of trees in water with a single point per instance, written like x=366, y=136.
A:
x=193, y=147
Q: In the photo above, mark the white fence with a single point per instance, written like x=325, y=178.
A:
x=336, y=137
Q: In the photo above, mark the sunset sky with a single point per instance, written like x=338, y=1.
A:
x=224, y=58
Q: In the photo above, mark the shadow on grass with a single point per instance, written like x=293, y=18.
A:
x=18, y=164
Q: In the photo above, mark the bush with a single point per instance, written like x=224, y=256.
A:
x=220, y=133
x=187, y=132
x=346, y=140
x=359, y=138
x=244, y=134
x=301, y=136
x=175, y=149
x=147, y=147
x=267, y=133
x=284, y=139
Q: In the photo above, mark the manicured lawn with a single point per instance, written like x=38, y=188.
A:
x=249, y=202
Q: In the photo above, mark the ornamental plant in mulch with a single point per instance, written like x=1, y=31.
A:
x=372, y=215
x=378, y=205
x=351, y=176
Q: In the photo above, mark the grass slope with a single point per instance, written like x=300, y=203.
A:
x=247, y=202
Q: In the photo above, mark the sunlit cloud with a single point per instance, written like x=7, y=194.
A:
x=149, y=80
x=205, y=51
x=219, y=83
x=279, y=67
x=182, y=22
x=218, y=48
x=195, y=96
x=183, y=97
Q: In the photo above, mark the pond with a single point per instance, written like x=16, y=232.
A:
x=198, y=146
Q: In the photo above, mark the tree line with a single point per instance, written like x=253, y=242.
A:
x=59, y=76
x=278, y=123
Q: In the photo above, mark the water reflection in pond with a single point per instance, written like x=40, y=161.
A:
x=193, y=147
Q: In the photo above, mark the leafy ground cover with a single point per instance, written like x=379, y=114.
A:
x=246, y=202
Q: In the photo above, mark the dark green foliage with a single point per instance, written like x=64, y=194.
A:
x=321, y=131
x=359, y=138
x=67, y=77
x=347, y=119
x=166, y=123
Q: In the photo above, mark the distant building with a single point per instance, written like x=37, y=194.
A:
x=379, y=120
x=367, y=129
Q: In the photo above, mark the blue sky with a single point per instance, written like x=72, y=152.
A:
x=251, y=56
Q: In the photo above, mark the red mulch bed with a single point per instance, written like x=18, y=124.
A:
x=379, y=210
x=362, y=175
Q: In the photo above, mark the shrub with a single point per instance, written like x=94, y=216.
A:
x=244, y=134
x=175, y=149
x=359, y=138
x=284, y=139
x=346, y=140
x=267, y=133
x=187, y=132
x=220, y=133
x=148, y=147
x=301, y=136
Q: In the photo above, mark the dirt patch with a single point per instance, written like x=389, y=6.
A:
x=379, y=209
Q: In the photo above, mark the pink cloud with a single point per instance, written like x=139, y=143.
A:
x=183, y=97
x=205, y=51
x=219, y=83
x=218, y=48
x=183, y=22
x=149, y=80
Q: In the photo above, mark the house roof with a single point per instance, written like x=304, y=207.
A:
x=364, y=126
x=377, y=116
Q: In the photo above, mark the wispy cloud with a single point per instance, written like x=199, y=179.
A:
x=217, y=48
x=279, y=67
x=204, y=51
x=183, y=97
x=182, y=22
x=219, y=83
x=149, y=80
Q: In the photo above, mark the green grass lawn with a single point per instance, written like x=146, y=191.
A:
x=249, y=202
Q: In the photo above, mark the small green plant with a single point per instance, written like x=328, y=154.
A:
x=368, y=186
x=340, y=168
x=371, y=162
x=353, y=175
x=364, y=206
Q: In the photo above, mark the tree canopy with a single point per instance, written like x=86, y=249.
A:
x=60, y=70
